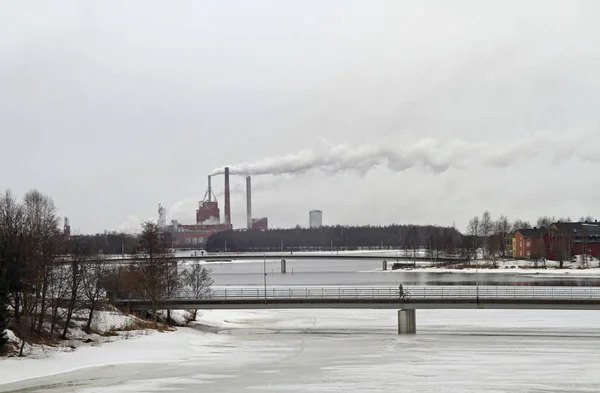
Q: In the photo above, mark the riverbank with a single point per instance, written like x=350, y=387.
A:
x=108, y=326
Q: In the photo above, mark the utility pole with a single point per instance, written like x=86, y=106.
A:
x=477, y=278
x=265, y=274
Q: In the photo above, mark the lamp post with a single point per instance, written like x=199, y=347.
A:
x=477, y=278
x=265, y=275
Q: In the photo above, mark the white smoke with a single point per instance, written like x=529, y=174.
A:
x=429, y=153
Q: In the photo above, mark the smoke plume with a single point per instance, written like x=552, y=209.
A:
x=429, y=153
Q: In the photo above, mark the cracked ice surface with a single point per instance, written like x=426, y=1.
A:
x=335, y=351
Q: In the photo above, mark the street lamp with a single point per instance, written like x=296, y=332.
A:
x=477, y=278
x=265, y=275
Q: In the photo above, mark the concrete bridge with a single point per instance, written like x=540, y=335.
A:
x=210, y=257
x=424, y=297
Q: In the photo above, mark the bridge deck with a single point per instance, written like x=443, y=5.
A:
x=566, y=298
x=215, y=257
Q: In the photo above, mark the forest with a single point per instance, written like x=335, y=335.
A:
x=337, y=238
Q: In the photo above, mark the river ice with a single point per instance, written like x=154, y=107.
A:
x=335, y=351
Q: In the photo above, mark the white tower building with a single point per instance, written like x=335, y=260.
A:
x=315, y=218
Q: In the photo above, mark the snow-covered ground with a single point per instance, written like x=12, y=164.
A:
x=578, y=267
x=335, y=351
x=107, y=326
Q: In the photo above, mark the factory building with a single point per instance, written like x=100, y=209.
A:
x=260, y=224
x=208, y=218
x=315, y=218
x=208, y=221
x=208, y=212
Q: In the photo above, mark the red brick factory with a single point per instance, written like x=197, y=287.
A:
x=208, y=218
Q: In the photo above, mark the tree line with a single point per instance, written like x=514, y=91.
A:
x=337, y=238
x=51, y=282
x=112, y=242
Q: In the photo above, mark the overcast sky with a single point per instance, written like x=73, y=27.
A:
x=449, y=107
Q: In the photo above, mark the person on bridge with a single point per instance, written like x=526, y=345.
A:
x=400, y=291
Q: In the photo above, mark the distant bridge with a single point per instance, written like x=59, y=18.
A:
x=427, y=297
x=284, y=256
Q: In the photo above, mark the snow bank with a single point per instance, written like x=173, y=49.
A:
x=160, y=347
x=112, y=325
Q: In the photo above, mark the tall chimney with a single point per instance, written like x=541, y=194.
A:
x=227, y=198
x=209, y=189
x=249, y=201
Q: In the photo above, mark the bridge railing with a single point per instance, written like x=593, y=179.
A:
x=421, y=292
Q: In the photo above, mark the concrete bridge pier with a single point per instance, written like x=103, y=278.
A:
x=407, y=322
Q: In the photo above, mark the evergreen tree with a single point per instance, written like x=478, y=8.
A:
x=4, y=302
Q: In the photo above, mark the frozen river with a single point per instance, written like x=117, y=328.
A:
x=369, y=273
x=337, y=350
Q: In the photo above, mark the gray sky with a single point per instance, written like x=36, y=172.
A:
x=111, y=107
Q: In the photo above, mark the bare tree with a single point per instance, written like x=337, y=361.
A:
x=538, y=253
x=173, y=282
x=545, y=221
x=198, y=281
x=412, y=242
x=12, y=250
x=80, y=252
x=44, y=244
x=502, y=229
x=4, y=312
x=520, y=224
x=93, y=276
x=474, y=230
x=58, y=291
x=486, y=226
x=151, y=274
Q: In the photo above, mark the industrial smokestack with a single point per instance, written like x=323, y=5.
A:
x=227, y=198
x=209, y=189
x=249, y=201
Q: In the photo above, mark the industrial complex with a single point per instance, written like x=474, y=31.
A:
x=208, y=218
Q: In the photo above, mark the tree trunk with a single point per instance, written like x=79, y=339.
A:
x=54, y=320
x=88, y=325
x=195, y=313
x=72, y=304
x=69, y=316
x=22, y=347
x=43, y=304
x=168, y=315
x=154, y=314
x=17, y=297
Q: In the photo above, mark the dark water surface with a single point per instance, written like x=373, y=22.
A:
x=370, y=273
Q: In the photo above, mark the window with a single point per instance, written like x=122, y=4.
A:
x=528, y=244
x=528, y=253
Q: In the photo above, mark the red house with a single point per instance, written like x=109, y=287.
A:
x=565, y=239
x=528, y=243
